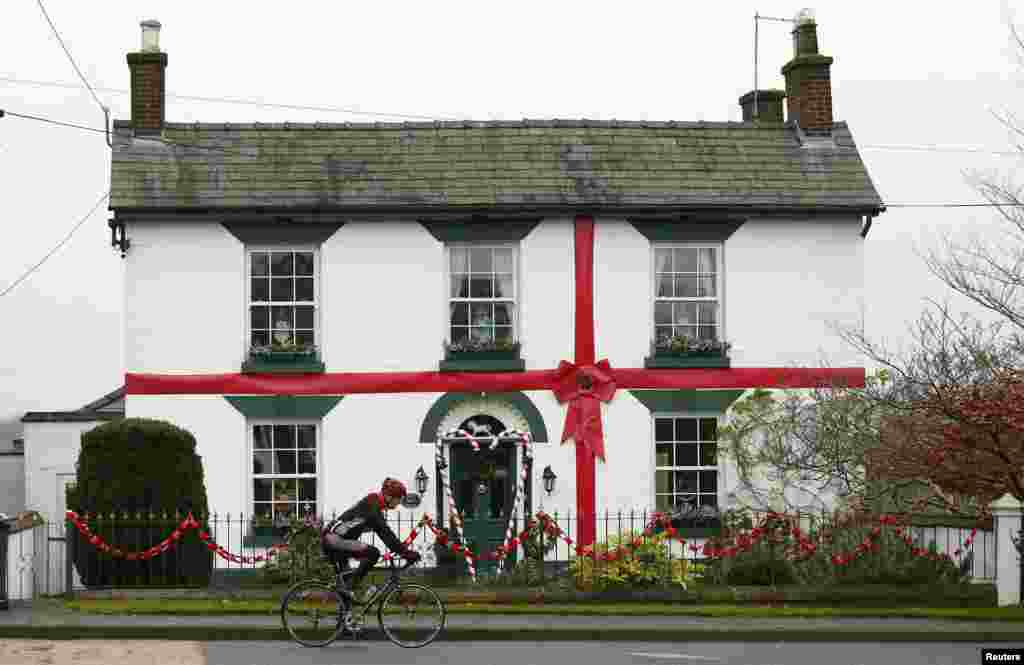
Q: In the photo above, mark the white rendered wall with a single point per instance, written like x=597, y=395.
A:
x=547, y=293
x=50, y=449
x=383, y=298
x=219, y=430
x=784, y=281
x=184, y=299
x=623, y=293
x=51, y=453
x=12, y=484
x=367, y=438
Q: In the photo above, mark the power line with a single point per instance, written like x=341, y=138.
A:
x=66, y=51
x=242, y=102
x=335, y=109
x=58, y=246
x=52, y=122
x=935, y=148
x=954, y=205
x=925, y=148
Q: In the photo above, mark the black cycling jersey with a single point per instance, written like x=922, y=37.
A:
x=366, y=515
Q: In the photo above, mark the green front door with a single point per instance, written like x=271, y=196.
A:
x=482, y=483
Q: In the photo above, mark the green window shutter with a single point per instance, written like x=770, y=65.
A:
x=283, y=406
x=684, y=229
x=483, y=230
x=686, y=401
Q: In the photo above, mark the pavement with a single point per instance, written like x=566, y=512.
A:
x=49, y=619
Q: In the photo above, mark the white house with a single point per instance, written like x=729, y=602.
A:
x=378, y=242
x=52, y=443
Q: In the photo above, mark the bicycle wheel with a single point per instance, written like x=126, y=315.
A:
x=411, y=615
x=312, y=613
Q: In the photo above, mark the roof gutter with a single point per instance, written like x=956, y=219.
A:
x=313, y=214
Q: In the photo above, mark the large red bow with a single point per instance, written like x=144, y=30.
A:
x=584, y=388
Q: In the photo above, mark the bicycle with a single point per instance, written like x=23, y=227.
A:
x=314, y=605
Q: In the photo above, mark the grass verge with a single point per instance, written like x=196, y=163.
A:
x=187, y=607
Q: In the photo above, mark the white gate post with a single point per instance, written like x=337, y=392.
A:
x=1006, y=512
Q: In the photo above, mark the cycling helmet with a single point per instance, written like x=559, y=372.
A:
x=392, y=487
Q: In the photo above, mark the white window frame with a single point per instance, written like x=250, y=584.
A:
x=516, y=284
x=719, y=283
x=317, y=303
x=251, y=424
x=718, y=468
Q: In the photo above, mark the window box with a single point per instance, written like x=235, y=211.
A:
x=699, y=532
x=483, y=361
x=684, y=352
x=282, y=361
x=283, y=356
x=664, y=359
x=487, y=358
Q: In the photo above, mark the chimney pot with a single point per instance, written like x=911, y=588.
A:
x=805, y=15
x=150, y=36
x=769, y=106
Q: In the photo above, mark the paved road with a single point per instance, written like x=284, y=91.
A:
x=152, y=652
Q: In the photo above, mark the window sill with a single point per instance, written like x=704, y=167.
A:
x=483, y=361
x=691, y=361
x=285, y=363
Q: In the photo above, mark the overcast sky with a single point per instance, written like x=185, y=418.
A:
x=905, y=74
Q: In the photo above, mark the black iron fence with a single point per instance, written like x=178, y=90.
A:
x=191, y=563
x=4, y=531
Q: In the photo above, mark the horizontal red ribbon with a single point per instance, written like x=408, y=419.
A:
x=440, y=382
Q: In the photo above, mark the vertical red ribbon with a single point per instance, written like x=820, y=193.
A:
x=586, y=525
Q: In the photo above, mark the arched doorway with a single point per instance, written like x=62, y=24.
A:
x=483, y=486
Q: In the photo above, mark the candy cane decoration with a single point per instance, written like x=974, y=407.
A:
x=456, y=523
x=517, y=503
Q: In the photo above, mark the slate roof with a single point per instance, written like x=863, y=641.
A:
x=525, y=165
x=108, y=407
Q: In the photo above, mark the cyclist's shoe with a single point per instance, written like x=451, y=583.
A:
x=346, y=622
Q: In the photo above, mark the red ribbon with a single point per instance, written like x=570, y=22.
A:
x=584, y=388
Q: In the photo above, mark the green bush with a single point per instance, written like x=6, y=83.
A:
x=893, y=564
x=776, y=561
x=141, y=477
x=763, y=563
x=302, y=559
x=648, y=565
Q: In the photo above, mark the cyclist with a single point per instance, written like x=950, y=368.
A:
x=339, y=538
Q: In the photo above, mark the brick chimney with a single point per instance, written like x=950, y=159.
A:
x=808, y=81
x=769, y=106
x=147, y=74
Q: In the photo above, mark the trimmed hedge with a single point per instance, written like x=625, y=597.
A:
x=128, y=472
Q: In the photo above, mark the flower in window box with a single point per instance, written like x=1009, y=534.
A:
x=287, y=351
x=482, y=348
x=683, y=345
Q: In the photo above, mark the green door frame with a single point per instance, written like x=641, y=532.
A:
x=460, y=451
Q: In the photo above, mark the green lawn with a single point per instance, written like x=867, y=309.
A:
x=266, y=607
